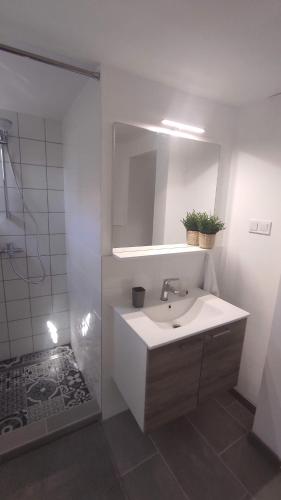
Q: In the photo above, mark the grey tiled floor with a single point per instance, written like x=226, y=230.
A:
x=192, y=458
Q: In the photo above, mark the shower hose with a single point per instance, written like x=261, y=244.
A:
x=40, y=279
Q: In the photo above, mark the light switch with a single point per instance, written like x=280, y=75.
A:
x=260, y=227
x=253, y=227
x=264, y=227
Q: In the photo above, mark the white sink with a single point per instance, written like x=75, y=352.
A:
x=160, y=323
x=184, y=311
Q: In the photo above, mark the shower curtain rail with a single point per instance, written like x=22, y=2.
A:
x=50, y=61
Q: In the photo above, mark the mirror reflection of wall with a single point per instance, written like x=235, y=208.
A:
x=156, y=180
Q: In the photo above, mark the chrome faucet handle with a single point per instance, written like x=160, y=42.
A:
x=10, y=249
x=168, y=280
x=166, y=287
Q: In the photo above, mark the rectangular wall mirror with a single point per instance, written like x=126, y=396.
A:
x=156, y=179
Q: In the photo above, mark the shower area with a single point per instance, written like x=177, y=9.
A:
x=50, y=328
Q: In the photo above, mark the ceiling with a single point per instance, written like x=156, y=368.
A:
x=228, y=50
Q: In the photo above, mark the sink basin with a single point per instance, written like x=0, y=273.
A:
x=176, y=314
x=160, y=323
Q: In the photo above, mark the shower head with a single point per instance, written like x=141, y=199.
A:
x=5, y=125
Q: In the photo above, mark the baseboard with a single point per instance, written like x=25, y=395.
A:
x=258, y=443
x=243, y=401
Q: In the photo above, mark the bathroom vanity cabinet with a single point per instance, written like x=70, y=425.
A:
x=221, y=358
x=172, y=381
x=166, y=382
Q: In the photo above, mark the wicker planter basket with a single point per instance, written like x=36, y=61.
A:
x=192, y=238
x=206, y=240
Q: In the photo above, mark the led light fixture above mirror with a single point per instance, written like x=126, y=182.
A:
x=183, y=126
x=172, y=132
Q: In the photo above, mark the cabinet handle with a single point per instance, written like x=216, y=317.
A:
x=225, y=332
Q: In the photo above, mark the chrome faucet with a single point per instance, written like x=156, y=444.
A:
x=167, y=287
x=10, y=249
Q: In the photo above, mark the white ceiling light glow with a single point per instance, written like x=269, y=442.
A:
x=183, y=126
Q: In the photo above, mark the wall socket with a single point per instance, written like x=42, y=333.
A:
x=260, y=227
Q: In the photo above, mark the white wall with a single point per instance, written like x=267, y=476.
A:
x=131, y=99
x=36, y=153
x=253, y=264
x=82, y=161
x=268, y=415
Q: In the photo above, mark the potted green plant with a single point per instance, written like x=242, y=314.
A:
x=190, y=223
x=209, y=226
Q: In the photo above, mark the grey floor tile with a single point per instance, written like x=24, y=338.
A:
x=76, y=466
x=241, y=414
x=216, y=425
x=152, y=480
x=253, y=467
x=198, y=469
x=69, y=488
x=128, y=444
x=225, y=398
x=30, y=492
x=77, y=483
x=21, y=436
x=114, y=492
x=272, y=490
x=22, y=476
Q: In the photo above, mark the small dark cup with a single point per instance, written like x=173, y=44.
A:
x=138, y=293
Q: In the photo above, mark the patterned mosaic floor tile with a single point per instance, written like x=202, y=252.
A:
x=42, y=389
x=76, y=397
x=11, y=401
x=73, y=386
x=14, y=421
x=9, y=364
x=34, y=357
x=46, y=369
x=12, y=393
x=45, y=409
x=39, y=385
x=65, y=363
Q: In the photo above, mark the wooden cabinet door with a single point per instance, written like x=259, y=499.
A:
x=173, y=373
x=221, y=358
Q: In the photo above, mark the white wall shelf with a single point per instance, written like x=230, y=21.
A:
x=154, y=250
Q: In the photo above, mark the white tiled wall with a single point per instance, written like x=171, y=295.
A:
x=36, y=150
